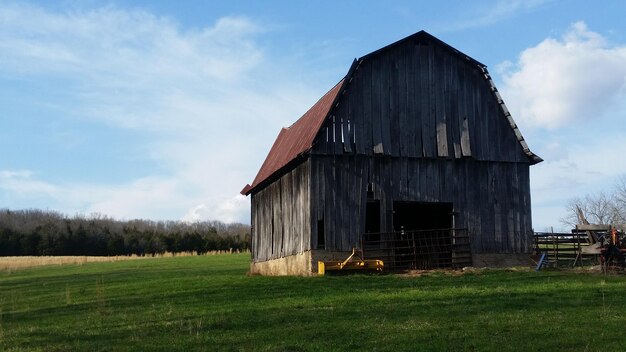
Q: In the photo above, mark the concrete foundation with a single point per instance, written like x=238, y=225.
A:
x=302, y=264
x=298, y=264
x=305, y=264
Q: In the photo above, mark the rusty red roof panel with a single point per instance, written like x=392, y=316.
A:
x=295, y=139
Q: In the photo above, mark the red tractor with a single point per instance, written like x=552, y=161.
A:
x=613, y=247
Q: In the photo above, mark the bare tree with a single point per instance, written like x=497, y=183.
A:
x=601, y=208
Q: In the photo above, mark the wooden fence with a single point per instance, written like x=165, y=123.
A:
x=565, y=249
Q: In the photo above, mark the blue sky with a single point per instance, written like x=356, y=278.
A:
x=166, y=109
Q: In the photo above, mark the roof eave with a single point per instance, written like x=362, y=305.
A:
x=248, y=189
x=534, y=159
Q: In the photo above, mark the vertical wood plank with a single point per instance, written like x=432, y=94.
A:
x=377, y=138
x=438, y=83
x=405, y=70
x=428, y=107
x=412, y=131
x=386, y=117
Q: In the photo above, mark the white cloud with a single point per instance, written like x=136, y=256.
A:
x=227, y=210
x=576, y=78
x=22, y=183
x=150, y=197
x=494, y=12
x=127, y=44
x=505, y=8
x=130, y=68
x=568, y=95
x=210, y=100
x=584, y=168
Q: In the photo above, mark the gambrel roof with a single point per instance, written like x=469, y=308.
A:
x=293, y=143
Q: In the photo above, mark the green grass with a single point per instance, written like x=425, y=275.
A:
x=208, y=303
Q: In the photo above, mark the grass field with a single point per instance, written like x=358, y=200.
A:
x=208, y=303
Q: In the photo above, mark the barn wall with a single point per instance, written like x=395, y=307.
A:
x=281, y=216
x=419, y=100
x=421, y=124
x=491, y=199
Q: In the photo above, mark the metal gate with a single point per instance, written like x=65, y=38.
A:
x=420, y=249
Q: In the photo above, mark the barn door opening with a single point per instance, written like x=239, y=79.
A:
x=411, y=216
x=423, y=234
x=372, y=220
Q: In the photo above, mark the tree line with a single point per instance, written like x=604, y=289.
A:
x=38, y=232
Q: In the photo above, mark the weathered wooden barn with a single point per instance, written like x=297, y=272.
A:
x=412, y=157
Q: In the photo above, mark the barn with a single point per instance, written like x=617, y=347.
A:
x=412, y=158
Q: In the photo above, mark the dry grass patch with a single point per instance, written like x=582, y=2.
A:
x=16, y=263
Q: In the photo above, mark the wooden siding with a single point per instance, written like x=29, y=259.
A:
x=421, y=123
x=419, y=100
x=281, y=216
x=491, y=199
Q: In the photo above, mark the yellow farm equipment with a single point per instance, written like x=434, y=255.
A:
x=354, y=262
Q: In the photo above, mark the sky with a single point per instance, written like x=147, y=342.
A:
x=166, y=109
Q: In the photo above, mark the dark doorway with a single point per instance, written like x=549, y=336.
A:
x=422, y=234
x=372, y=218
x=410, y=216
x=321, y=240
